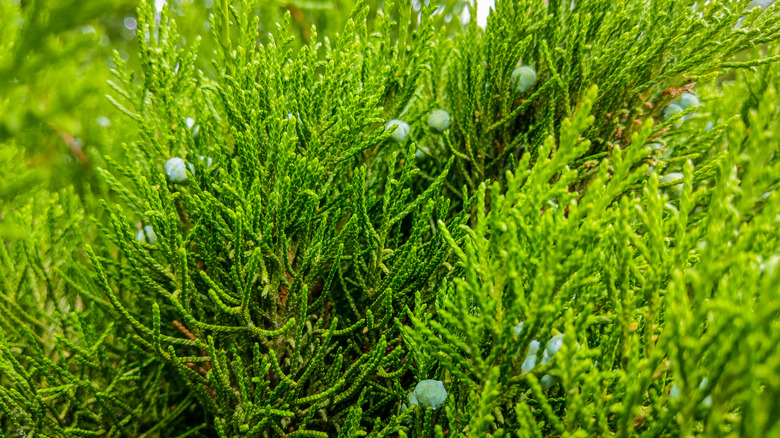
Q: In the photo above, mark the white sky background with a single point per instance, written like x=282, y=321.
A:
x=483, y=8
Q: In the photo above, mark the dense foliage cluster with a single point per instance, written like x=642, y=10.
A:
x=368, y=218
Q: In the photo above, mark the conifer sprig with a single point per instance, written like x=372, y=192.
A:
x=264, y=253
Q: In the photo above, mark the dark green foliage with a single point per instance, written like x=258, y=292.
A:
x=310, y=271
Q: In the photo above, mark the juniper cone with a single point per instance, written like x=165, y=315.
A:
x=551, y=349
x=524, y=77
x=430, y=393
x=688, y=100
x=322, y=253
x=672, y=110
x=548, y=381
x=412, y=398
x=439, y=120
x=146, y=235
x=530, y=359
x=529, y=363
x=176, y=170
x=398, y=130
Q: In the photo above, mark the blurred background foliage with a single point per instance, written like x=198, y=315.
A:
x=55, y=61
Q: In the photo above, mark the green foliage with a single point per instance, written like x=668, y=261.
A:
x=312, y=269
x=636, y=285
